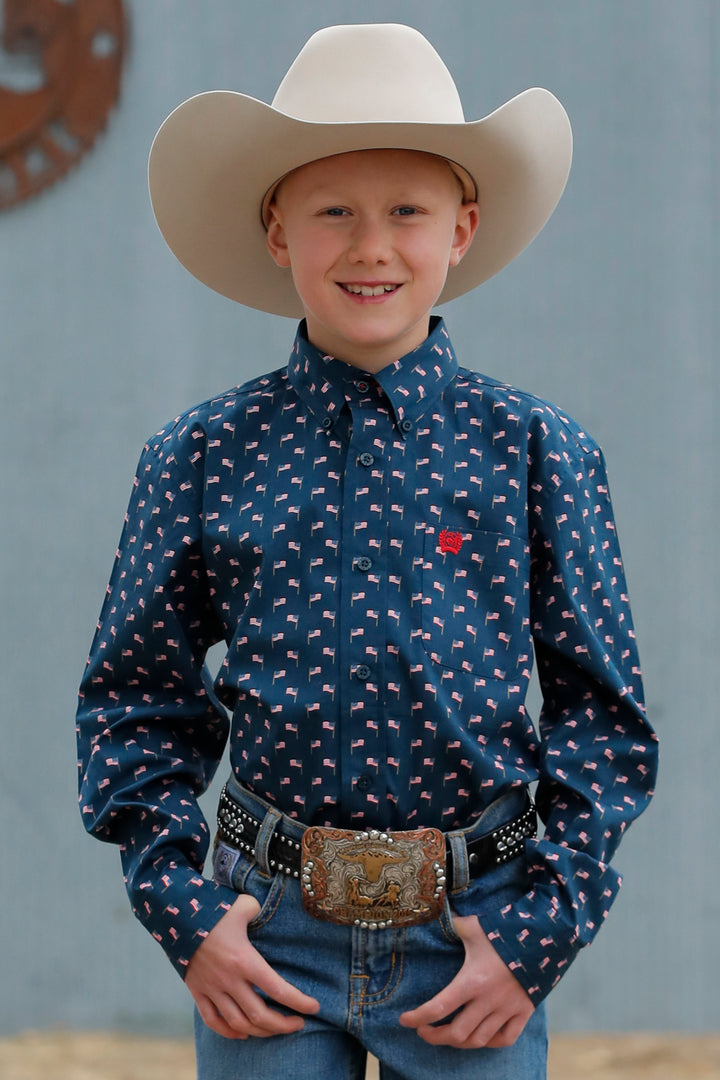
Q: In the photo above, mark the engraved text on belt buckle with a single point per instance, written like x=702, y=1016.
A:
x=373, y=879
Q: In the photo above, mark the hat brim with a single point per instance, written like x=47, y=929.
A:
x=218, y=153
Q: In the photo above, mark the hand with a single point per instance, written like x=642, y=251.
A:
x=493, y=1006
x=222, y=976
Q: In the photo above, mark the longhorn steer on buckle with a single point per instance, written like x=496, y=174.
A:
x=373, y=879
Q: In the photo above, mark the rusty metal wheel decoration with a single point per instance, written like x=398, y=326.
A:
x=76, y=48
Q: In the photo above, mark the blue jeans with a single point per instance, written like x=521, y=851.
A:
x=364, y=979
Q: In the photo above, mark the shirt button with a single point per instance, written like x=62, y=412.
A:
x=406, y=425
x=363, y=563
x=326, y=422
x=362, y=672
x=364, y=782
x=366, y=459
x=362, y=387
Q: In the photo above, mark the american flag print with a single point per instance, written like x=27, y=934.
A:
x=375, y=674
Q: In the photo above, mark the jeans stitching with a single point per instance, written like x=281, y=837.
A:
x=446, y=924
x=397, y=962
x=270, y=904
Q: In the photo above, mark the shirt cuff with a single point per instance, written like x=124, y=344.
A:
x=539, y=935
x=178, y=907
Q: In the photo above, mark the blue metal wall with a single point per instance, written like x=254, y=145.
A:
x=612, y=312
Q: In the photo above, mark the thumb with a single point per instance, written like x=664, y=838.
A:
x=246, y=908
x=467, y=927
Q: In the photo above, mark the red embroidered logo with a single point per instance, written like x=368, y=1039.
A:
x=450, y=541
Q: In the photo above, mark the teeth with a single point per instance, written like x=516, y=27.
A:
x=370, y=290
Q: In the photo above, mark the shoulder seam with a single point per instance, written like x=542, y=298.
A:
x=540, y=405
x=260, y=382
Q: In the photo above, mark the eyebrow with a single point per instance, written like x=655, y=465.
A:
x=403, y=192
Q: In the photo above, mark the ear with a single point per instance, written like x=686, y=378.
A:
x=468, y=216
x=275, y=237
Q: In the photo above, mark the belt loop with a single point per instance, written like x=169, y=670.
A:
x=263, y=838
x=461, y=867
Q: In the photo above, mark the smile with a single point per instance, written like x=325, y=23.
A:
x=369, y=290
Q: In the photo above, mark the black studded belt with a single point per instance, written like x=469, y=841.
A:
x=239, y=829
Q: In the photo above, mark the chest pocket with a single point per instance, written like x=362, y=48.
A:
x=475, y=601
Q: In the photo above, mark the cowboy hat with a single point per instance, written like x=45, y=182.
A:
x=218, y=155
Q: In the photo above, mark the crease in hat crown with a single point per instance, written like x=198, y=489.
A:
x=220, y=154
x=372, y=73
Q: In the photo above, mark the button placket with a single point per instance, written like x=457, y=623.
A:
x=364, y=615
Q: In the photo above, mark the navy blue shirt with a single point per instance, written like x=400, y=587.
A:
x=381, y=554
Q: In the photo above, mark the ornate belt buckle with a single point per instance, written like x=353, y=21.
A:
x=373, y=879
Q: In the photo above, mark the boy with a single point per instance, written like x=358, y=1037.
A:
x=380, y=537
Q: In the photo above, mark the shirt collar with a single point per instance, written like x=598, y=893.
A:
x=409, y=385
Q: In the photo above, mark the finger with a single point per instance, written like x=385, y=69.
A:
x=485, y=1032
x=226, y=1017
x=437, y=1008
x=213, y=1020
x=278, y=989
x=465, y=1023
x=460, y=1036
x=252, y=1010
x=246, y=907
x=467, y=927
x=508, y=1034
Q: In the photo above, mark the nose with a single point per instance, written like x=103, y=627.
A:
x=370, y=242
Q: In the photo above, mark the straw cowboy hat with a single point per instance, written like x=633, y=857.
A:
x=219, y=155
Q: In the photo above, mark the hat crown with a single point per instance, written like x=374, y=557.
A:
x=369, y=73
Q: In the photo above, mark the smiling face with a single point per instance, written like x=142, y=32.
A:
x=369, y=237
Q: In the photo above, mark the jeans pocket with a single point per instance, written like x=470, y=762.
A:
x=491, y=891
x=241, y=872
x=268, y=891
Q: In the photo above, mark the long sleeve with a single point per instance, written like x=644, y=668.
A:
x=150, y=730
x=598, y=754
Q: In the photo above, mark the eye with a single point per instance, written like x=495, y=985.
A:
x=405, y=211
x=335, y=211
